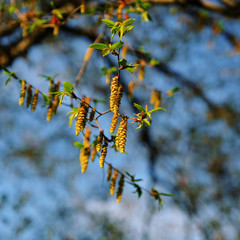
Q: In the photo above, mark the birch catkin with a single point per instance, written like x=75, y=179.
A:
x=113, y=182
x=121, y=135
x=114, y=93
x=120, y=189
x=22, y=93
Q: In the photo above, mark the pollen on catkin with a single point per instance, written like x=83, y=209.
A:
x=99, y=141
x=118, y=99
x=29, y=95
x=120, y=189
x=22, y=93
x=92, y=115
x=109, y=173
x=82, y=117
x=113, y=182
x=84, y=156
x=114, y=123
x=35, y=100
x=121, y=135
x=114, y=93
x=49, y=113
x=103, y=155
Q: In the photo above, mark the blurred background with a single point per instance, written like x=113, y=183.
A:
x=191, y=151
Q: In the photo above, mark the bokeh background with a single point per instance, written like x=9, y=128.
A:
x=191, y=151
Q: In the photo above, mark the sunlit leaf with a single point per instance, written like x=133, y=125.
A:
x=139, y=107
x=78, y=144
x=108, y=22
x=128, y=21
x=99, y=46
x=157, y=109
x=68, y=87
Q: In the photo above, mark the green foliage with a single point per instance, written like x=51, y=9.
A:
x=144, y=118
x=10, y=75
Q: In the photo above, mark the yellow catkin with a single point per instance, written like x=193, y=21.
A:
x=82, y=117
x=22, y=93
x=29, y=95
x=92, y=115
x=84, y=156
x=83, y=6
x=108, y=78
x=155, y=98
x=103, y=155
x=141, y=71
x=118, y=99
x=55, y=104
x=55, y=98
x=94, y=153
x=121, y=135
x=120, y=189
x=99, y=141
x=114, y=123
x=35, y=100
x=49, y=113
x=114, y=93
x=109, y=173
x=113, y=182
x=131, y=86
x=124, y=51
x=86, y=137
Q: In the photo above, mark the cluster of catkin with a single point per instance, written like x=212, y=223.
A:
x=54, y=100
x=113, y=178
x=31, y=99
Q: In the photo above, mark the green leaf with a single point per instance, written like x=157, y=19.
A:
x=99, y=46
x=105, y=52
x=167, y=194
x=68, y=87
x=146, y=122
x=7, y=81
x=46, y=99
x=156, y=109
x=78, y=144
x=139, y=107
x=128, y=21
x=121, y=31
x=127, y=29
x=117, y=45
x=122, y=62
x=108, y=22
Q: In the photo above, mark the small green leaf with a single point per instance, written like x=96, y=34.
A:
x=146, y=122
x=78, y=144
x=127, y=29
x=105, y=52
x=99, y=46
x=7, y=81
x=139, y=107
x=46, y=99
x=156, y=109
x=117, y=45
x=68, y=87
x=108, y=22
x=121, y=31
x=122, y=62
x=128, y=21
x=167, y=194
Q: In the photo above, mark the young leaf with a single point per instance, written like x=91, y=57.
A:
x=139, y=107
x=99, y=46
x=157, y=109
x=108, y=22
x=127, y=29
x=129, y=21
x=146, y=122
x=117, y=45
x=78, y=144
x=167, y=194
x=68, y=87
x=46, y=99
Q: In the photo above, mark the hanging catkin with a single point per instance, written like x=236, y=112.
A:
x=35, y=100
x=22, y=93
x=113, y=182
x=82, y=117
x=120, y=188
x=114, y=93
x=103, y=155
x=29, y=95
x=99, y=141
x=85, y=152
x=121, y=135
x=109, y=173
x=118, y=99
x=114, y=123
